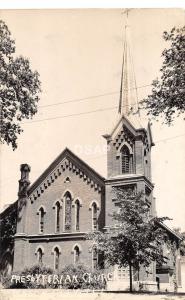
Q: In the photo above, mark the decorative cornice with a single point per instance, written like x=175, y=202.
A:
x=117, y=135
x=51, y=236
x=124, y=136
x=126, y=179
x=67, y=160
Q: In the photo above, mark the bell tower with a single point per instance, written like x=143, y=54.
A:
x=129, y=143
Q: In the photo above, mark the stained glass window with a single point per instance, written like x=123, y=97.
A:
x=41, y=219
x=57, y=207
x=77, y=215
x=94, y=216
x=68, y=207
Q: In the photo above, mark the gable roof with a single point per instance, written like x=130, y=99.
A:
x=66, y=159
x=170, y=231
x=133, y=126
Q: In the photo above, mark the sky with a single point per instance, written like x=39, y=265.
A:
x=78, y=54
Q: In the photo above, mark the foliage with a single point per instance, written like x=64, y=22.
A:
x=19, y=88
x=135, y=239
x=8, y=228
x=168, y=93
x=86, y=278
x=28, y=284
x=182, y=243
x=73, y=277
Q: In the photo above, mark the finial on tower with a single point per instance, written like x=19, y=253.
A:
x=24, y=181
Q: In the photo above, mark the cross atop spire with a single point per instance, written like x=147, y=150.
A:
x=126, y=11
x=128, y=101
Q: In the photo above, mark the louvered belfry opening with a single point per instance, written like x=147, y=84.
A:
x=125, y=157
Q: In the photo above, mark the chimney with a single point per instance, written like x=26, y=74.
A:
x=24, y=181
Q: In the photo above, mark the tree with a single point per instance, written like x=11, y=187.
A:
x=8, y=227
x=135, y=239
x=182, y=243
x=168, y=93
x=19, y=89
x=7, y=231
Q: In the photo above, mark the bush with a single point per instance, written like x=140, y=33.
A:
x=70, y=277
x=29, y=278
x=80, y=277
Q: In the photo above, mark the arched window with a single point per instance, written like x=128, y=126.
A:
x=125, y=160
x=57, y=216
x=76, y=254
x=94, y=216
x=56, y=258
x=94, y=258
x=41, y=213
x=68, y=206
x=39, y=256
x=77, y=215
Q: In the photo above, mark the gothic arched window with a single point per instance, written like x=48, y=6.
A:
x=41, y=213
x=39, y=256
x=77, y=215
x=57, y=216
x=94, y=216
x=56, y=258
x=76, y=254
x=68, y=208
x=94, y=258
x=125, y=160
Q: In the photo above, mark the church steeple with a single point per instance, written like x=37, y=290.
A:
x=129, y=143
x=128, y=101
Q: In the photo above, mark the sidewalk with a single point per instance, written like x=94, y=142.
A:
x=70, y=295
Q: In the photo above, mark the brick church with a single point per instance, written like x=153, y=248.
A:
x=70, y=199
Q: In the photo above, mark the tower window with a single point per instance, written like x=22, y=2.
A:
x=125, y=160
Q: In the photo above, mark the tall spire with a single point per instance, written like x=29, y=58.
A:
x=128, y=101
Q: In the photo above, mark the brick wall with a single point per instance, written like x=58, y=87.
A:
x=139, y=149
x=79, y=189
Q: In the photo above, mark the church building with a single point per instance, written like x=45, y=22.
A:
x=70, y=199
